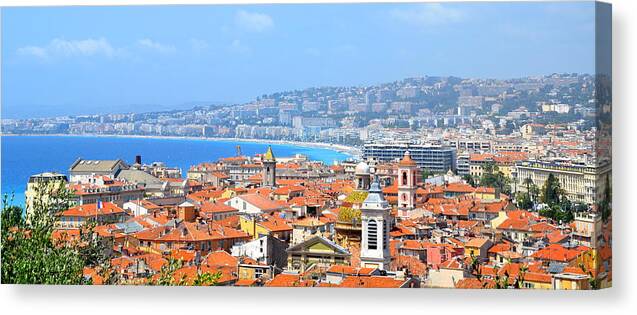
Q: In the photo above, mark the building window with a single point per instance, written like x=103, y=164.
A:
x=372, y=234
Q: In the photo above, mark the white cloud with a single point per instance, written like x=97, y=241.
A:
x=253, y=22
x=69, y=48
x=87, y=47
x=159, y=47
x=198, y=45
x=238, y=47
x=35, y=51
x=427, y=15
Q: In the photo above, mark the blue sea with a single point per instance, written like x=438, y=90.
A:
x=23, y=156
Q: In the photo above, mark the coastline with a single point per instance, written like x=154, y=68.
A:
x=348, y=150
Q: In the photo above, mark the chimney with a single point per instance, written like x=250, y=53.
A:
x=138, y=159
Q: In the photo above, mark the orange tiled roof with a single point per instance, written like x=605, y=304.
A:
x=538, y=277
x=221, y=258
x=286, y=190
x=65, y=235
x=500, y=247
x=189, y=273
x=350, y=270
x=183, y=255
x=275, y=224
x=466, y=224
x=556, y=252
x=288, y=280
x=542, y=227
x=473, y=283
x=91, y=210
x=92, y=273
x=459, y=188
x=194, y=232
x=452, y=264
x=371, y=282
x=400, y=230
x=476, y=242
x=209, y=207
x=260, y=202
x=413, y=265
x=407, y=160
x=514, y=224
x=391, y=189
x=245, y=282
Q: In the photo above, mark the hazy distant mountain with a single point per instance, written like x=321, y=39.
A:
x=43, y=111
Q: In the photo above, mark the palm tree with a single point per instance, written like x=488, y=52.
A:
x=207, y=279
x=167, y=272
x=475, y=266
x=519, y=281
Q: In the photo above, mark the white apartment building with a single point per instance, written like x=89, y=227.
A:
x=581, y=182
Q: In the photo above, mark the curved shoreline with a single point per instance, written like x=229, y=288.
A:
x=348, y=150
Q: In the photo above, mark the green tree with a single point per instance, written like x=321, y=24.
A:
x=558, y=206
x=552, y=191
x=519, y=280
x=11, y=217
x=523, y=200
x=426, y=173
x=469, y=179
x=207, y=279
x=604, y=206
x=29, y=255
x=531, y=189
x=494, y=178
x=167, y=276
x=561, y=212
x=534, y=193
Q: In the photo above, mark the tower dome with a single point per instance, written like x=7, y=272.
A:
x=407, y=160
x=362, y=168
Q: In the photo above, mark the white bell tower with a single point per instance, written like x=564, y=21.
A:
x=376, y=219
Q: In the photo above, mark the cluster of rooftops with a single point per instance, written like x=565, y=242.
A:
x=296, y=232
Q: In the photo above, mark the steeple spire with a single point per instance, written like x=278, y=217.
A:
x=269, y=155
x=268, y=173
x=375, y=193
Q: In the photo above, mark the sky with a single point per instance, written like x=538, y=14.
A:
x=87, y=60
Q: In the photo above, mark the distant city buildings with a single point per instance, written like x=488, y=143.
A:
x=433, y=158
x=344, y=114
